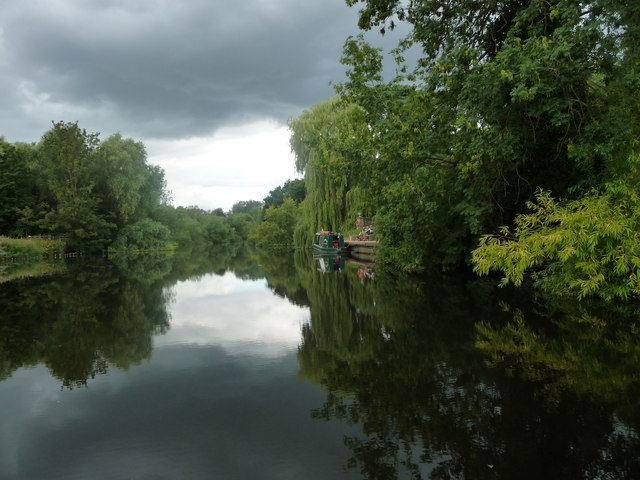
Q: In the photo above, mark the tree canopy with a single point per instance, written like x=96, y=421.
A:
x=506, y=99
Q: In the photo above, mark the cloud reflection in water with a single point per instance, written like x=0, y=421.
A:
x=243, y=317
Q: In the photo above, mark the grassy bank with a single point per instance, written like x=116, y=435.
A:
x=18, y=249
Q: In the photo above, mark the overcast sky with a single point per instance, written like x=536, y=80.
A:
x=207, y=85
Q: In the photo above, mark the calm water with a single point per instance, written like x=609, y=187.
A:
x=198, y=367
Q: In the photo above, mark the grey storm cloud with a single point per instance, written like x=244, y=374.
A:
x=165, y=69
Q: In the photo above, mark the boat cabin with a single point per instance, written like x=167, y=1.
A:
x=326, y=241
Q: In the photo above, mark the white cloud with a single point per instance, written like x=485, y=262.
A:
x=233, y=164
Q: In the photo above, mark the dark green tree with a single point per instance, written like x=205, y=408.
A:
x=294, y=189
x=65, y=155
x=16, y=188
x=145, y=234
x=276, y=230
x=244, y=217
x=120, y=171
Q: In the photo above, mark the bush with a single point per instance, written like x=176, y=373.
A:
x=586, y=247
x=146, y=234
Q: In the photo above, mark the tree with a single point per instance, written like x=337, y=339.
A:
x=253, y=208
x=330, y=141
x=276, y=230
x=244, y=217
x=294, y=189
x=274, y=199
x=153, y=192
x=585, y=247
x=65, y=154
x=146, y=234
x=119, y=171
x=16, y=187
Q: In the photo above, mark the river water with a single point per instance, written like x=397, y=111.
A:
x=201, y=366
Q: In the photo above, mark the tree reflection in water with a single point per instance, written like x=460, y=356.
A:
x=82, y=321
x=446, y=377
x=98, y=313
x=445, y=384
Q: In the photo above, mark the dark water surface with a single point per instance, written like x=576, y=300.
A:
x=217, y=366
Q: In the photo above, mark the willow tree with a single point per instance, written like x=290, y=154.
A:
x=330, y=142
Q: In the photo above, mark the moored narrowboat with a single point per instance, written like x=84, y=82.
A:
x=329, y=242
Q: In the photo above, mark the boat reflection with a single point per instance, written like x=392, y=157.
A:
x=329, y=263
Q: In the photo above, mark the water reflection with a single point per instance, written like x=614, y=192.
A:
x=445, y=384
x=433, y=377
x=329, y=263
x=97, y=313
x=218, y=397
x=79, y=322
x=242, y=316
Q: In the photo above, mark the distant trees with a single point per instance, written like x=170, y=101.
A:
x=280, y=216
x=294, y=189
x=103, y=195
x=195, y=226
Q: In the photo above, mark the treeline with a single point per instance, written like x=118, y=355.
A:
x=512, y=143
x=103, y=195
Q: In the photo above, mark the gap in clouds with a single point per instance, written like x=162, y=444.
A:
x=233, y=164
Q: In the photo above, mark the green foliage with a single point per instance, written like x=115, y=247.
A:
x=294, y=189
x=330, y=143
x=120, y=171
x=584, y=247
x=194, y=226
x=244, y=217
x=65, y=154
x=88, y=191
x=243, y=224
x=77, y=219
x=16, y=186
x=146, y=234
x=253, y=208
x=104, y=195
x=276, y=230
x=507, y=98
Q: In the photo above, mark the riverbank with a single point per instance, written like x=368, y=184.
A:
x=29, y=257
x=17, y=249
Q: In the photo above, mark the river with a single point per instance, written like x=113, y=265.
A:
x=200, y=366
